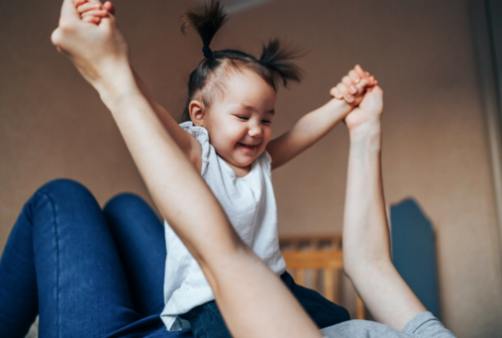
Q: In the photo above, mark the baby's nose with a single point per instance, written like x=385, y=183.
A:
x=255, y=131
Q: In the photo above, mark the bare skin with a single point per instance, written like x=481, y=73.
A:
x=236, y=275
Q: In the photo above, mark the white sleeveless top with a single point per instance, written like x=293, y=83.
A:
x=249, y=204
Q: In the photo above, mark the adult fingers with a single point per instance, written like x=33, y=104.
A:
x=108, y=23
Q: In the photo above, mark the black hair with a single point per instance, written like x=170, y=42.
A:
x=274, y=64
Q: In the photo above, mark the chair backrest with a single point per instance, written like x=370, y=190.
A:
x=316, y=262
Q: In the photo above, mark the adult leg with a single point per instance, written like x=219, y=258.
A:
x=139, y=236
x=18, y=286
x=74, y=265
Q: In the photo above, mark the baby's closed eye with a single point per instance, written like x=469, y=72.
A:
x=242, y=117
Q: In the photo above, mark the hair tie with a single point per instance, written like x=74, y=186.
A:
x=208, y=53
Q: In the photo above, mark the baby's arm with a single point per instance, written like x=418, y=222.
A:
x=367, y=259
x=93, y=11
x=313, y=126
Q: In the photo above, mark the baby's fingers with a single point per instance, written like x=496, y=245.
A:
x=361, y=86
x=339, y=91
x=349, y=84
x=365, y=75
x=78, y=3
x=88, y=6
x=109, y=7
x=96, y=12
x=354, y=76
x=95, y=16
x=360, y=71
x=342, y=92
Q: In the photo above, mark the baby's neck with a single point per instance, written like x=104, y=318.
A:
x=240, y=171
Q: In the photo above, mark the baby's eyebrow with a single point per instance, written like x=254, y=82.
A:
x=248, y=107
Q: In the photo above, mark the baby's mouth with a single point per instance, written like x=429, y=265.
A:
x=248, y=146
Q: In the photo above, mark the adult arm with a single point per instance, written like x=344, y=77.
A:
x=187, y=143
x=366, y=247
x=251, y=298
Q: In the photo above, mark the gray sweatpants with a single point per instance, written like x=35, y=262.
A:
x=424, y=325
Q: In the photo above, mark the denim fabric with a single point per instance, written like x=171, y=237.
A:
x=207, y=322
x=322, y=311
x=87, y=273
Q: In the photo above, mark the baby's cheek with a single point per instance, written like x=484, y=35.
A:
x=268, y=134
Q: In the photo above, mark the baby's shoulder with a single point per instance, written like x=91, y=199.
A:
x=200, y=133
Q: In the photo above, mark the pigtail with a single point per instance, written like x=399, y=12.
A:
x=207, y=21
x=279, y=61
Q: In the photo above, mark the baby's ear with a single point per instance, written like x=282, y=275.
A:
x=197, y=112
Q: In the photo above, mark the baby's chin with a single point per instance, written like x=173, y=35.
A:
x=243, y=161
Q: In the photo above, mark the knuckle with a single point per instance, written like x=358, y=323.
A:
x=56, y=37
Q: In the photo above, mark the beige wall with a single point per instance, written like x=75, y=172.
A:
x=435, y=144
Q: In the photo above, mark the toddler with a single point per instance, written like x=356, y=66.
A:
x=227, y=136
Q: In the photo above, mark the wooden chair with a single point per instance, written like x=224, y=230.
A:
x=316, y=262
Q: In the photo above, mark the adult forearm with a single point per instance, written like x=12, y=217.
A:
x=183, y=139
x=365, y=235
x=366, y=248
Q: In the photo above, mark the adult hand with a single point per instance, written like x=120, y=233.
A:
x=352, y=87
x=97, y=51
x=368, y=112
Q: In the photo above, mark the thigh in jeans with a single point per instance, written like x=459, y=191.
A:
x=139, y=235
x=207, y=322
x=322, y=311
x=73, y=265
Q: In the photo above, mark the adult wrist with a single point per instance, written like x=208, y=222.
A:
x=367, y=135
x=115, y=82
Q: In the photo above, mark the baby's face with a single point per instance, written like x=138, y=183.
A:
x=239, y=121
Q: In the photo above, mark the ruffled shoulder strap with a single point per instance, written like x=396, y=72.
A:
x=201, y=135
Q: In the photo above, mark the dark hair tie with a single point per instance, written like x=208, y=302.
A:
x=208, y=53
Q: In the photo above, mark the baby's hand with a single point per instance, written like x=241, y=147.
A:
x=93, y=11
x=353, y=86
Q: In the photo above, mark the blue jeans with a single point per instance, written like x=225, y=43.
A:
x=207, y=322
x=87, y=272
